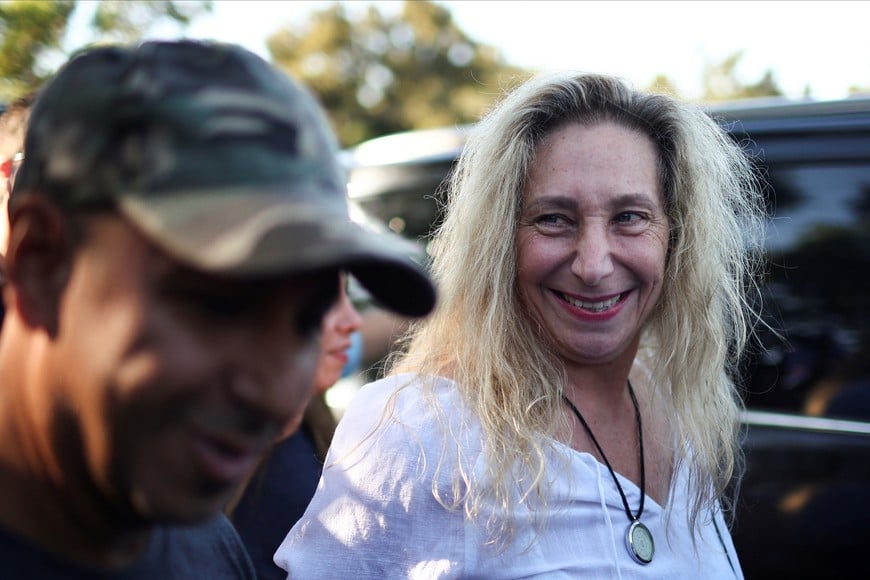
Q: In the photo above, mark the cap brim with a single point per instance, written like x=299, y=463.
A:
x=261, y=234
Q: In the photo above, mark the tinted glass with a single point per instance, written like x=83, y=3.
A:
x=817, y=293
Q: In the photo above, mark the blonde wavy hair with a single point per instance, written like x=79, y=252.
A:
x=486, y=341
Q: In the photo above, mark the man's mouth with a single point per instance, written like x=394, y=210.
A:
x=592, y=306
x=223, y=460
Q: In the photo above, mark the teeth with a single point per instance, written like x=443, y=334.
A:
x=592, y=306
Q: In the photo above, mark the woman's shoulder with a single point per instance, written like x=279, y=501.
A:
x=404, y=397
x=406, y=413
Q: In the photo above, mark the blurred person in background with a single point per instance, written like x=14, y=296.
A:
x=13, y=123
x=569, y=408
x=279, y=491
x=177, y=229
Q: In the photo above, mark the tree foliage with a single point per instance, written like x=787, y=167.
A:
x=27, y=30
x=375, y=73
x=124, y=21
x=32, y=31
x=720, y=82
x=379, y=74
x=662, y=84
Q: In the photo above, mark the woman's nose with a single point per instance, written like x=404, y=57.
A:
x=349, y=319
x=592, y=255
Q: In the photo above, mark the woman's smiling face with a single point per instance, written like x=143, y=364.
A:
x=592, y=240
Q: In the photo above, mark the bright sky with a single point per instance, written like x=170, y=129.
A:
x=823, y=44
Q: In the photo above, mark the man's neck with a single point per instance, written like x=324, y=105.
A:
x=49, y=497
x=66, y=523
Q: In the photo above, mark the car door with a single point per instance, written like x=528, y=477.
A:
x=804, y=503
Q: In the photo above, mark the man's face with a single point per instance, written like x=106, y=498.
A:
x=172, y=383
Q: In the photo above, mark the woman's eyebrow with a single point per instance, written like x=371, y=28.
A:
x=626, y=199
x=568, y=202
x=551, y=202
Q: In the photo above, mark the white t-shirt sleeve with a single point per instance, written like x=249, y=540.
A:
x=374, y=514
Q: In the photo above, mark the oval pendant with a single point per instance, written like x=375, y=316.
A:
x=639, y=541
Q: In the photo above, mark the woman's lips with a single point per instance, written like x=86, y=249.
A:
x=340, y=353
x=599, y=308
x=339, y=357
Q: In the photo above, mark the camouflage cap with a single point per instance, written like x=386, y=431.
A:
x=220, y=159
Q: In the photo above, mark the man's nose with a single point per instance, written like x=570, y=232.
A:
x=272, y=373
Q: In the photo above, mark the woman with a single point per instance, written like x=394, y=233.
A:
x=568, y=410
x=277, y=494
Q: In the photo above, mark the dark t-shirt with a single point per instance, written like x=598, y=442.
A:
x=209, y=551
x=276, y=498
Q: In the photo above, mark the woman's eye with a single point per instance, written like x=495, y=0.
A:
x=629, y=217
x=552, y=220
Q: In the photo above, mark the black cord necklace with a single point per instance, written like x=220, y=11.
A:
x=638, y=538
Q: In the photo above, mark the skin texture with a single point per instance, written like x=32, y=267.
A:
x=340, y=322
x=593, y=229
x=147, y=391
x=592, y=248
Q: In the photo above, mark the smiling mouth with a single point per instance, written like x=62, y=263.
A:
x=222, y=461
x=599, y=306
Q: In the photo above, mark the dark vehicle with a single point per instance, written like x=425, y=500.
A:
x=804, y=505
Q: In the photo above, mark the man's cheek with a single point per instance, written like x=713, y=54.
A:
x=300, y=386
x=302, y=377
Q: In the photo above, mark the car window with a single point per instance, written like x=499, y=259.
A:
x=817, y=293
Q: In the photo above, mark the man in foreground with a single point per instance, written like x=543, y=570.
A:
x=176, y=231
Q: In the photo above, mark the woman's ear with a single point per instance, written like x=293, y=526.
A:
x=38, y=260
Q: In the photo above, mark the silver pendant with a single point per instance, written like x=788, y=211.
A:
x=639, y=541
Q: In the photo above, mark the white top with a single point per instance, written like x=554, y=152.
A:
x=374, y=514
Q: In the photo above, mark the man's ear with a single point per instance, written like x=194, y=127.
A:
x=38, y=260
